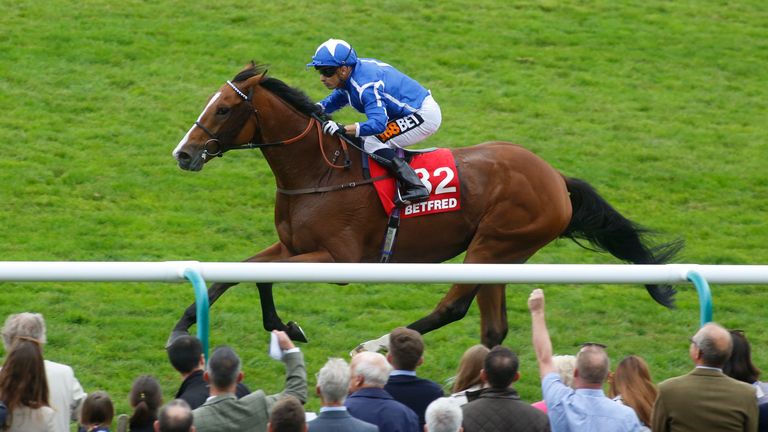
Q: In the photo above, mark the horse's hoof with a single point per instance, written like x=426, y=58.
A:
x=294, y=331
x=175, y=335
x=380, y=345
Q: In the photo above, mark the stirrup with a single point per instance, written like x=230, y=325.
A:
x=400, y=202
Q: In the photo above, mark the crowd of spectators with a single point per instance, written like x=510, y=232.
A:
x=374, y=392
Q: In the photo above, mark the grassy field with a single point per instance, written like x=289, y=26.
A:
x=660, y=105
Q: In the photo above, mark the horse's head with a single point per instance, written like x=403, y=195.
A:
x=227, y=121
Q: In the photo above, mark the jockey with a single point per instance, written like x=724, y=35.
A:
x=400, y=112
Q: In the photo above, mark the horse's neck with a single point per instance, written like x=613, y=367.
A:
x=300, y=164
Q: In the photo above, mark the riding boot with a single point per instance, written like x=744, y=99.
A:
x=411, y=189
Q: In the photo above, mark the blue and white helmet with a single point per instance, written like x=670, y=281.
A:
x=334, y=52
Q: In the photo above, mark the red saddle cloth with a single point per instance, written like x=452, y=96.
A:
x=437, y=170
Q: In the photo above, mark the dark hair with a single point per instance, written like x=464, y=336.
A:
x=500, y=366
x=406, y=347
x=97, y=409
x=184, y=353
x=287, y=415
x=223, y=367
x=22, y=379
x=739, y=366
x=175, y=416
x=145, y=398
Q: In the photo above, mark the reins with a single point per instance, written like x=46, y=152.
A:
x=313, y=121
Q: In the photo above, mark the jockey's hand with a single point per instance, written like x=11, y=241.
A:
x=330, y=127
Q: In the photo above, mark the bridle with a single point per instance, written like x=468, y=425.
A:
x=251, y=144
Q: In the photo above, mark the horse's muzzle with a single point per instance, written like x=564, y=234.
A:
x=189, y=163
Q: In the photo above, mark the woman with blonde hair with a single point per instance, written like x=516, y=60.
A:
x=565, y=364
x=631, y=385
x=468, y=373
x=24, y=388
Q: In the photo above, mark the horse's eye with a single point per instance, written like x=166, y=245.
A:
x=222, y=111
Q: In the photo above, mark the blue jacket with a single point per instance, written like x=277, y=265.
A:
x=339, y=421
x=376, y=406
x=414, y=392
x=378, y=90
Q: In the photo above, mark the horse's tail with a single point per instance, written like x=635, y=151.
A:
x=607, y=230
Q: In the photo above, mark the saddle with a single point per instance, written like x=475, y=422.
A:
x=437, y=170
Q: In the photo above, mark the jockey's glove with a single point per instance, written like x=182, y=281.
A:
x=330, y=127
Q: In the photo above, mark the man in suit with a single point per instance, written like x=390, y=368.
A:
x=368, y=401
x=332, y=387
x=186, y=356
x=705, y=398
x=223, y=412
x=175, y=416
x=406, y=353
x=66, y=395
x=498, y=406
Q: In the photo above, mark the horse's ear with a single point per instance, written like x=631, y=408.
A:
x=263, y=75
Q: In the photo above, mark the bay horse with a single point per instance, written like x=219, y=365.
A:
x=513, y=203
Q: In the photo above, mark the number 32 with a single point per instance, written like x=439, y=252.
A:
x=442, y=187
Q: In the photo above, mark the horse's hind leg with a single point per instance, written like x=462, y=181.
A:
x=492, y=301
x=452, y=307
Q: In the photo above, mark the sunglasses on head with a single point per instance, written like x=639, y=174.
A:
x=593, y=344
x=327, y=71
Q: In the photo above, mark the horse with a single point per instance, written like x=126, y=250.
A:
x=513, y=203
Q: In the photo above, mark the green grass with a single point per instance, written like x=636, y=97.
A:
x=660, y=105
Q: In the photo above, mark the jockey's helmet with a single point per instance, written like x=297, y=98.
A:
x=334, y=52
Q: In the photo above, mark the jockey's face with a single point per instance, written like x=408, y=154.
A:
x=334, y=78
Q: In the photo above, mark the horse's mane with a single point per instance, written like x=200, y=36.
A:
x=293, y=96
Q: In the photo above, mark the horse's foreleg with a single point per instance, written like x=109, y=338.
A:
x=270, y=317
x=272, y=253
x=492, y=301
x=190, y=314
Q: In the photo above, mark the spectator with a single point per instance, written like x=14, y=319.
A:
x=223, y=412
x=564, y=365
x=186, y=356
x=368, y=401
x=583, y=407
x=332, y=387
x=24, y=389
x=740, y=367
x=97, y=413
x=706, y=398
x=175, y=416
x=66, y=395
x=468, y=373
x=498, y=406
x=443, y=415
x=145, y=399
x=287, y=416
x=632, y=385
x=3, y=413
x=406, y=353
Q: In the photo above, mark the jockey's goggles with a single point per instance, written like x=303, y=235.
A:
x=327, y=71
